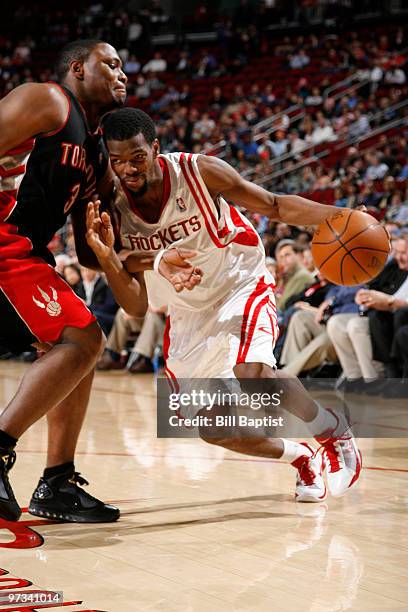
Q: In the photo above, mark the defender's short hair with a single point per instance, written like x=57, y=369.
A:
x=77, y=50
x=127, y=122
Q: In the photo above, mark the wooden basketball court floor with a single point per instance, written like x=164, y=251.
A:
x=203, y=529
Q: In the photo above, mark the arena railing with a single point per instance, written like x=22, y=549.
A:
x=315, y=157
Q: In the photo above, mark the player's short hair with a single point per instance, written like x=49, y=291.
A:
x=77, y=50
x=128, y=122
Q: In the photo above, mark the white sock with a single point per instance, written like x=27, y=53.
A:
x=293, y=451
x=323, y=421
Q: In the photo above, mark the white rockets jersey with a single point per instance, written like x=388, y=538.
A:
x=230, y=252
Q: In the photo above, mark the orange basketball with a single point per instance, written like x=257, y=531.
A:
x=350, y=247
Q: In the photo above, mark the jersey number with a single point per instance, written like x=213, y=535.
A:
x=71, y=200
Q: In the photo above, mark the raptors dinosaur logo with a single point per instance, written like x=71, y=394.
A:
x=52, y=307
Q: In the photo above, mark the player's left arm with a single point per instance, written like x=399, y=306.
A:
x=221, y=179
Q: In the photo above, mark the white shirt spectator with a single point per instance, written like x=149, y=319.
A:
x=299, y=60
x=376, y=172
x=376, y=74
x=279, y=147
x=360, y=126
x=402, y=292
x=314, y=100
x=157, y=64
x=323, y=134
x=89, y=287
x=395, y=76
x=297, y=145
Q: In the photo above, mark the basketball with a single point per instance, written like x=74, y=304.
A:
x=350, y=247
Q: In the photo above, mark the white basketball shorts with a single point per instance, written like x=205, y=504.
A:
x=240, y=328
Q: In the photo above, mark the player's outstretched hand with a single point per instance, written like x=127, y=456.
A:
x=178, y=270
x=99, y=234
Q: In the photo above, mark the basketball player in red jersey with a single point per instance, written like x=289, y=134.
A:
x=226, y=327
x=52, y=160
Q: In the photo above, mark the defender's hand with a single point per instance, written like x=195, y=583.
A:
x=180, y=272
x=99, y=235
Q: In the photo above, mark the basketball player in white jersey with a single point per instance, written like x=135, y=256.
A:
x=226, y=326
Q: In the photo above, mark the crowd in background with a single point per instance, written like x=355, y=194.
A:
x=187, y=88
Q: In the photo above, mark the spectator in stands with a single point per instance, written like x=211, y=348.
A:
x=156, y=64
x=204, y=127
x=296, y=145
x=376, y=75
x=395, y=76
x=369, y=195
x=98, y=297
x=315, y=98
x=307, y=260
x=308, y=299
x=351, y=337
x=307, y=344
x=62, y=260
x=403, y=176
x=151, y=335
x=132, y=65
x=183, y=65
x=360, y=125
x=397, y=211
x=298, y=60
x=388, y=319
x=376, y=168
x=72, y=275
x=323, y=178
x=249, y=147
x=142, y=89
x=340, y=199
x=293, y=276
x=123, y=327
x=323, y=132
x=280, y=143
x=206, y=64
x=218, y=101
x=385, y=198
x=307, y=180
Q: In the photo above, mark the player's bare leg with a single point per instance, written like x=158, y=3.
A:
x=61, y=377
x=65, y=423
x=59, y=493
x=52, y=378
x=329, y=429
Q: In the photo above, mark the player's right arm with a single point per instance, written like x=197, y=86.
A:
x=30, y=110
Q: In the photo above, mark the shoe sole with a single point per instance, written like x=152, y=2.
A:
x=8, y=515
x=310, y=499
x=70, y=518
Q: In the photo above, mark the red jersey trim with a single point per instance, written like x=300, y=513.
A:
x=171, y=377
x=199, y=204
x=249, y=324
x=24, y=147
x=248, y=237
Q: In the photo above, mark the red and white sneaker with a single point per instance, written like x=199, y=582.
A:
x=341, y=455
x=310, y=485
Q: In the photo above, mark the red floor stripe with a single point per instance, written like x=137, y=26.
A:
x=102, y=454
